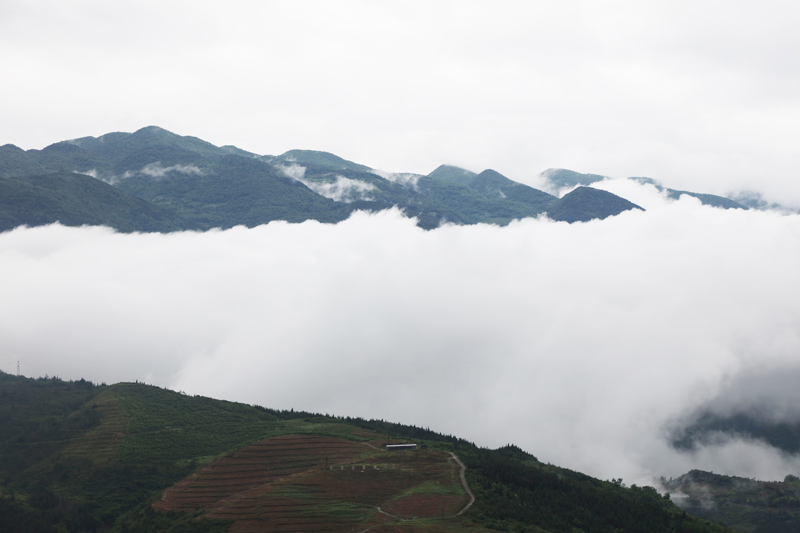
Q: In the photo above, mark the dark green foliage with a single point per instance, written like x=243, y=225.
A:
x=585, y=203
x=515, y=494
x=782, y=435
x=38, y=417
x=742, y=503
x=143, y=519
x=14, y=161
x=393, y=430
x=44, y=512
x=166, y=426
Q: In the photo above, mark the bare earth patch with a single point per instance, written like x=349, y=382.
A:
x=319, y=483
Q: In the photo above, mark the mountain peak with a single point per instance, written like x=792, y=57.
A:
x=489, y=173
x=152, y=130
x=323, y=159
x=587, y=203
x=452, y=174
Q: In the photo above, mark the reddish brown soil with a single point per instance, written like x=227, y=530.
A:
x=426, y=505
x=314, y=483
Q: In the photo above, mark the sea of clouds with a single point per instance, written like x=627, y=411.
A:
x=583, y=344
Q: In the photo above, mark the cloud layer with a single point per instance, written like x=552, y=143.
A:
x=580, y=343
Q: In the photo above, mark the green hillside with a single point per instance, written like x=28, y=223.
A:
x=76, y=199
x=15, y=161
x=75, y=456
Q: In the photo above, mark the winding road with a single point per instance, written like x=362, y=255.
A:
x=463, y=484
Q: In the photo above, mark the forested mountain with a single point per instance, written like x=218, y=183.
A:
x=155, y=180
x=168, y=182
x=75, y=456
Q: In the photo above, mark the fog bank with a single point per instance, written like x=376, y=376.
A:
x=580, y=343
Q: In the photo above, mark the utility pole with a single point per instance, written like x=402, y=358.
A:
x=17, y=368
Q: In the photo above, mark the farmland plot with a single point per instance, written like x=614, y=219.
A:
x=319, y=483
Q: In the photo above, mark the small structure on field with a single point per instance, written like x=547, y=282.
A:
x=400, y=447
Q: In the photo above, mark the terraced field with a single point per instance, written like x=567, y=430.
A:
x=319, y=483
x=101, y=444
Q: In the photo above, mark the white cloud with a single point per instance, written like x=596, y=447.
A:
x=153, y=170
x=93, y=173
x=406, y=179
x=294, y=171
x=157, y=170
x=339, y=188
x=577, y=342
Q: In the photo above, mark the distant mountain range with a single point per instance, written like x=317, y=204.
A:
x=153, y=180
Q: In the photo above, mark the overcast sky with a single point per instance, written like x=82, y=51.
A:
x=702, y=95
x=581, y=343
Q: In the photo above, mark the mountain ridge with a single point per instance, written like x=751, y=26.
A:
x=195, y=185
x=200, y=186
